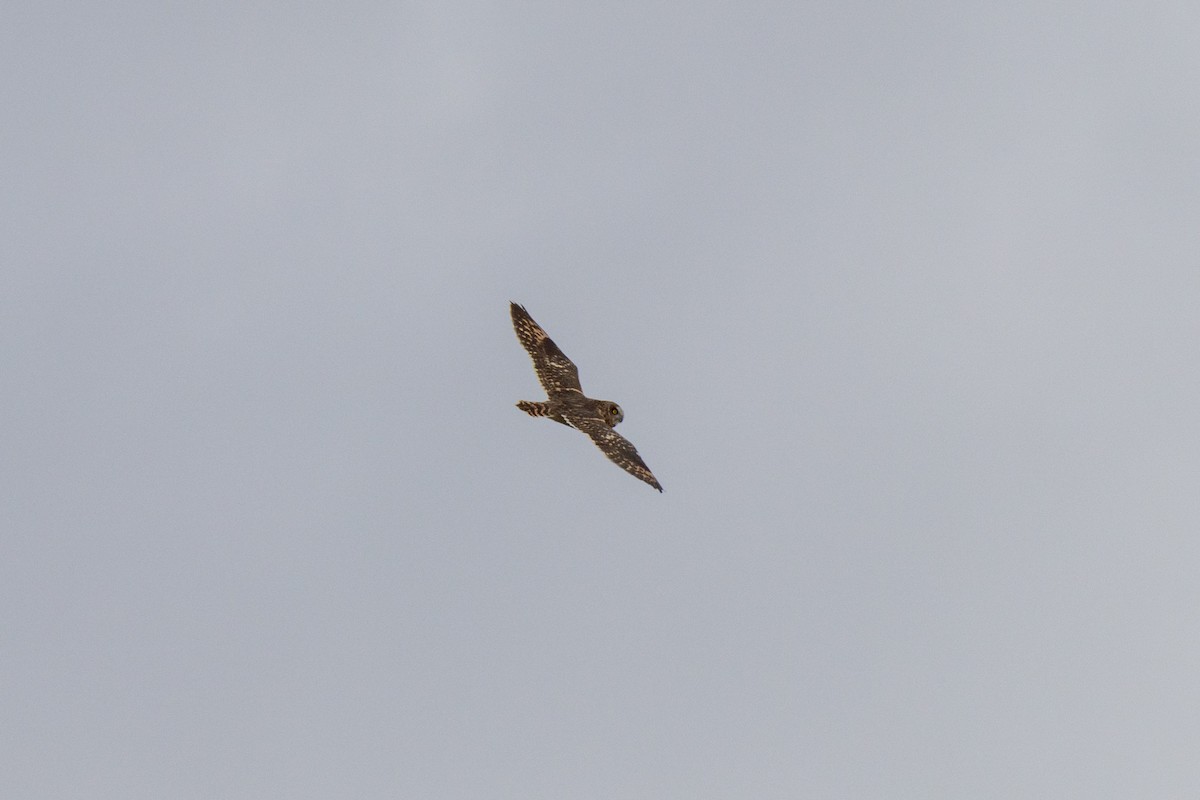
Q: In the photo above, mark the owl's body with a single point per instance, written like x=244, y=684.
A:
x=566, y=402
x=569, y=406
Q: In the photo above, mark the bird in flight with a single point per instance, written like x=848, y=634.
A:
x=566, y=402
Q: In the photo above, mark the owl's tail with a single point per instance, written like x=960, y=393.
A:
x=534, y=409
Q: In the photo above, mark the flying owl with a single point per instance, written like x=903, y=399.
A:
x=566, y=402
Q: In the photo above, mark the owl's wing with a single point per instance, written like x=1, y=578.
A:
x=555, y=371
x=619, y=450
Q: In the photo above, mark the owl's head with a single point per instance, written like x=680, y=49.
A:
x=613, y=414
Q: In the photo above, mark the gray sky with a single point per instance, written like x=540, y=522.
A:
x=900, y=303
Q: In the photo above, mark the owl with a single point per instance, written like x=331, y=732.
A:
x=566, y=402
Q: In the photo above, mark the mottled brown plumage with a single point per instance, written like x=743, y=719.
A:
x=566, y=402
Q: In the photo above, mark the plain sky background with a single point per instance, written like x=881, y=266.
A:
x=901, y=302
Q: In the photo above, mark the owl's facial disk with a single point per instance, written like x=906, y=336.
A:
x=615, y=415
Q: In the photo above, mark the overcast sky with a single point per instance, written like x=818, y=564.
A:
x=900, y=301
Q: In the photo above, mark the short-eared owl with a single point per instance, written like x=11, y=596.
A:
x=566, y=402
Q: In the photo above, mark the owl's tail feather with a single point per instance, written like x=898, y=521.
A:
x=534, y=409
x=541, y=410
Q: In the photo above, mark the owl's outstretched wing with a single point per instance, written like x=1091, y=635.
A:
x=555, y=371
x=619, y=450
